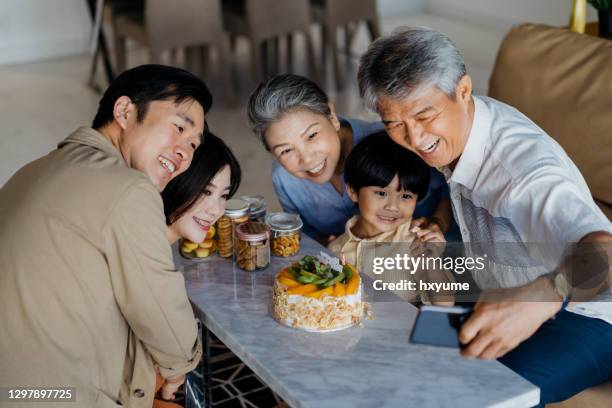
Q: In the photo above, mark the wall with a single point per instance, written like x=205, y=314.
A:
x=33, y=30
x=502, y=14
x=391, y=8
x=40, y=29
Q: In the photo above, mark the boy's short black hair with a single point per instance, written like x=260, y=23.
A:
x=148, y=83
x=377, y=159
x=185, y=189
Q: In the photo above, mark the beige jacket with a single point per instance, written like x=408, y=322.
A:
x=89, y=296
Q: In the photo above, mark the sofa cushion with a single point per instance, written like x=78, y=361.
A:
x=563, y=82
x=607, y=209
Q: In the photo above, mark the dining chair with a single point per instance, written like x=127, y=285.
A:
x=332, y=14
x=193, y=25
x=265, y=22
x=105, y=11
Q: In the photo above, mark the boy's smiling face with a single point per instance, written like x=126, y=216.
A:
x=382, y=209
x=306, y=144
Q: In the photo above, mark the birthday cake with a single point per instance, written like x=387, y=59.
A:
x=318, y=294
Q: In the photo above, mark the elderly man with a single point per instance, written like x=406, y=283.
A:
x=509, y=182
x=89, y=297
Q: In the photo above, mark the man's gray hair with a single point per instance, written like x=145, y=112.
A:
x=280, y=95
x=408, y=60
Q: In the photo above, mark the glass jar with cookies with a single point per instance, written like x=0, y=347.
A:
x=252, y=246
x=236, y=213
x=202, y=250
x=285, y=233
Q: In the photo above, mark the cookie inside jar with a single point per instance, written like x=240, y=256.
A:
x=252, y=246
x=285, y=233
x=236, y=213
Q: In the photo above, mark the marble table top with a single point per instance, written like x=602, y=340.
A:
x=369, y=366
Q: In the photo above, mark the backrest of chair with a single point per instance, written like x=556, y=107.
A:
x=563, y=82
x=340, y=12
x=269, y=18
x=179, y=23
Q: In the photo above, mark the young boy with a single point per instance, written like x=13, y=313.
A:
x=386, y=181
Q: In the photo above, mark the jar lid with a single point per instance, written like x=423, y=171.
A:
x=236, y=208
x=282, y=221
x=252, y=231
x=257, y=203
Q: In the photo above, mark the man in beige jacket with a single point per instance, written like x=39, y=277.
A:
x=89, y=296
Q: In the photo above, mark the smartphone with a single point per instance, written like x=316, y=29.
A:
x=439, y=325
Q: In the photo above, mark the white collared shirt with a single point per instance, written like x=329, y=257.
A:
x=515, y=184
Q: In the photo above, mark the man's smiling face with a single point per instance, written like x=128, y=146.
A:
x=162, y=144
x=430, y=123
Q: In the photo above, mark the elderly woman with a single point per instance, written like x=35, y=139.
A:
x=509, y=182
x=298, y=124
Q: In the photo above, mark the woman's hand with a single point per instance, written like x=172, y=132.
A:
x=170, y=387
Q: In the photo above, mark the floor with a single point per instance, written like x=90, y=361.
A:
x=41, y=103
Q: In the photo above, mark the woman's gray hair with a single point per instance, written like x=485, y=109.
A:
x=280, y=95
x=408, y=60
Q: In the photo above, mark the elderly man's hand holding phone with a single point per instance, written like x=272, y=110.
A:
x=491, y=328
x=496, y=327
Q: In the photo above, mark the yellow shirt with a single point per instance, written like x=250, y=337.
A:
x=352, y=247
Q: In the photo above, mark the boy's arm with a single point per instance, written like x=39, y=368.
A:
x=432, y=247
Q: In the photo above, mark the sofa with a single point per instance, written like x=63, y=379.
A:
x=563, y=82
